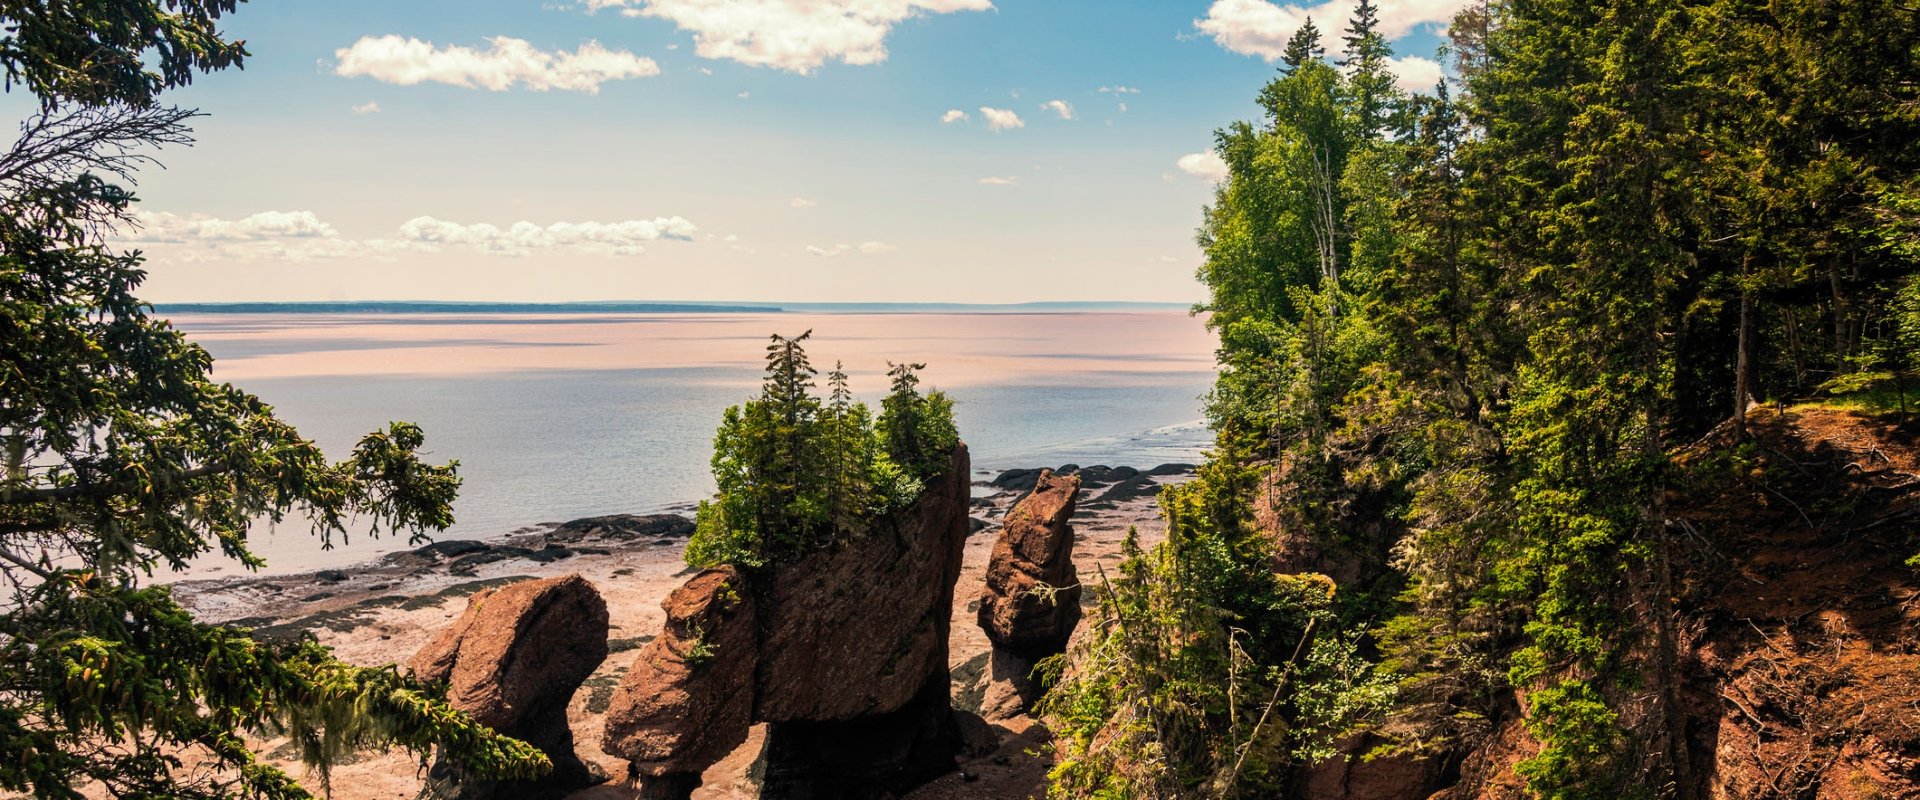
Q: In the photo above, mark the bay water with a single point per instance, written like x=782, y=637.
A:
x=559, y=416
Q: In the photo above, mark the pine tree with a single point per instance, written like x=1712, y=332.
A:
x=1365, y=61
x=1304, y=46
x=849, y=444
x=917, y=429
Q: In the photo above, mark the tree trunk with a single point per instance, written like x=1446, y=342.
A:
x=1742, y=368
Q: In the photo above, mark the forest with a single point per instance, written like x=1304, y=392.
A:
x=1462, y=335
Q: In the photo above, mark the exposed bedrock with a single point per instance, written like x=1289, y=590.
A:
x=844, y=651
x=513, y=660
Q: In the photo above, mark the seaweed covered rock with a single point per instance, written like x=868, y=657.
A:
x=513, y=660
x=687, y=701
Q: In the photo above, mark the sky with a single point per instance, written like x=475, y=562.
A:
x=988, y=151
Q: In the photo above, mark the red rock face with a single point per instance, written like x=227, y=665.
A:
x=844, y=650
x=1032, y=558
x=858, y=630
x=688, y=699
x=519, y=650
x=1351, y=775
x=513, y=661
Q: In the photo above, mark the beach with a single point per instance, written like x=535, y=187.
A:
x=382, y=611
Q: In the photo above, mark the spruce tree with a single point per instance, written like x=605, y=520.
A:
x=1365, y=61
x=1304, y=46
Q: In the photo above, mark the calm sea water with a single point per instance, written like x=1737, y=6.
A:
x=554, y=417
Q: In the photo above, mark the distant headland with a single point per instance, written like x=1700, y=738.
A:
x=651, y=307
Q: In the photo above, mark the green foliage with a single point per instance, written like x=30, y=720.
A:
x=122, y=455
x=1462, y=332
x=795, y=473
x=1207, y=674
x=104, y=52
x=917, y=429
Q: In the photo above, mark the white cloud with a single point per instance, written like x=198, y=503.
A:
x=163, y=227
x=367, y=108
x=268, y=235
x=864, y=248
x=303, y=236
x=1061, y=107
x=1203, y=165
x=612, y=238
x=745, y=95
x=506, y=63
x=794, y=35
x=1414, y=74
x=1262, y=28
x=1123, y=108
x=802, y=202
x=996, y=181
x=953, y=115
x=1118, y=90
x=1000, y=119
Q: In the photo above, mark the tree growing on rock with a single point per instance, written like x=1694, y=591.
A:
x=795, y=473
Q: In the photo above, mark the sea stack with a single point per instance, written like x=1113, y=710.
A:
x=847, y=662
x=1032, y=599
x=513, y=660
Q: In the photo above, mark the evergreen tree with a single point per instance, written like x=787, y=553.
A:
x=917, y=429
x=850, y=447
x=1365, y=61
x=1302, y=47
x=795, y=473
x=123, y=456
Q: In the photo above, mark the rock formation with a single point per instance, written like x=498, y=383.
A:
x=687, y=701
x=1032, y=600
x=513, y=661
x=843, y=652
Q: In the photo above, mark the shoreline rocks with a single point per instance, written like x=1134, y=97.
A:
x=513, y=660
x=687, y=701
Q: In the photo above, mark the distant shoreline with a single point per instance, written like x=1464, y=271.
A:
x=653, y=307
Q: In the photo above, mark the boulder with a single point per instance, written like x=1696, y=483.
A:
x=513, y=660
x=1032, y=600
x=687, y=701
x=843, y=651
x=624, y=527
x=1007, y=689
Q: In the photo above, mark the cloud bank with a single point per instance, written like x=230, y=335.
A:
x=1261, y=28
x=793, y=35
x=302, y=236
x=506, y=63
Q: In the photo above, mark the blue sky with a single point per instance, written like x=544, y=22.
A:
x=714, y=149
